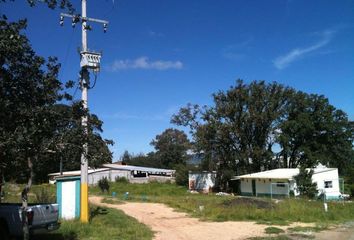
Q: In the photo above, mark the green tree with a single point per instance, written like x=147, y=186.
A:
x=29, y=93
x=29, y=89
x=145, y=160
x=125, y=158
x=237, y=133
x=304, y=183
x=171, y=147
x=315, y=131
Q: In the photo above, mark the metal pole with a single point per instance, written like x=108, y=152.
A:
x=84, y=209
x=89, y=60
x=61, y=164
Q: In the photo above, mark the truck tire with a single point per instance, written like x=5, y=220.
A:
x=4, y=233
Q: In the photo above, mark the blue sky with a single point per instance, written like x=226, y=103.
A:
x=160, y=55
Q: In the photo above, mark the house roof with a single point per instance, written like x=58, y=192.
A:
x=138, y=168
x=280, y=173
x=78, y=172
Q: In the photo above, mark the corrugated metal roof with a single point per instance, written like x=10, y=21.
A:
x=281, y=173
x=78, y=172
x=138, y=168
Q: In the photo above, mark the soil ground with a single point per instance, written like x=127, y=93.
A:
x=171, y=225
x=340, y=233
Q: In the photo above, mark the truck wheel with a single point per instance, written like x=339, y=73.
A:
x=3, y=232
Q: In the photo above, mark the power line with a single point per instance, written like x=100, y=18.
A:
x=89, y=60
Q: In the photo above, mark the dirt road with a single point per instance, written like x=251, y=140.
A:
x=171, y=225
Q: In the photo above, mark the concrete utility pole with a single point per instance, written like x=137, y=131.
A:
x=88, y=60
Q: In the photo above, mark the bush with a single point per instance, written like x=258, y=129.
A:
x=352, y=191
x=181, y=175
x=305, y=185
x=121, y=179
x=103, y=184
x=43, y=195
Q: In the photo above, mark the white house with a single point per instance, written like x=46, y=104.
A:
x=201, y=181
x=279, y=182
x=134, y=174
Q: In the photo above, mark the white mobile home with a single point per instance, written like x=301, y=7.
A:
x=280, y=182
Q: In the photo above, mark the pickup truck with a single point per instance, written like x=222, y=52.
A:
x=41, y=218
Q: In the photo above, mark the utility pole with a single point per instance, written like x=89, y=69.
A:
x=88, y=61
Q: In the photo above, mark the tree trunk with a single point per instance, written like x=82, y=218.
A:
x=24, y=196
x=1, y=183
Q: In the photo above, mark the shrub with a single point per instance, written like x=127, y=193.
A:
x=181, y=175
x=103, y=184
x=121, y=179
x=43, y=195
x=304, y=183
x=352, y=191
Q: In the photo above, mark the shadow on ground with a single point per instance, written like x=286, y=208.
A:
x=97, y=211
x=55, y=236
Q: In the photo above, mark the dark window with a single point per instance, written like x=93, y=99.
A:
x=280, y=184
x=139, y=174
x=328, y=184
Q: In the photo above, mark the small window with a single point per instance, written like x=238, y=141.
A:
x=280, y=184
x=328, y=184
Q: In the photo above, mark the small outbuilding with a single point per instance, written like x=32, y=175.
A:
x=68, y=197
x=281, y=182
x=201, y=181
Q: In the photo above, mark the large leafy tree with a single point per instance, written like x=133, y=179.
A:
x=239, y=133
x=236, y=134
x=67, y=144
x=315, y=131
x=29, y=88
x=171, y=147
x=30, y=124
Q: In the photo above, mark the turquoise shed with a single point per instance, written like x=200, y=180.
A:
x=68, y=196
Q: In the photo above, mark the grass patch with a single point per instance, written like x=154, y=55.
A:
x=104, y=224
x=274, y=222
x=42, y=193
x=280, y=237
x=110, y=200
x=317, y=228
x=232, y=208
x=273, y=230
x=301, y=236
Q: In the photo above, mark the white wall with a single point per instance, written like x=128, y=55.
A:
x=119, y=173
x=93, y=178
x=246, y=186
x=330, y=175
x=201, y=181
x=112, y=174
x=263, y=186
x=68, y=200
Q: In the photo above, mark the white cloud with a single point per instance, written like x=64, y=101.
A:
x=237, y=51
x=297, y=53
x=145, y=63
x=159, y=116
x=155, y=34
